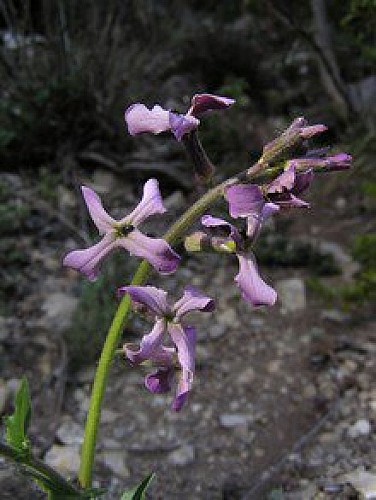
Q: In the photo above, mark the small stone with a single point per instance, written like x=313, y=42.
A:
x=361, y=428
x=86, y=375
x=183, y=456
x=217, y=331
x=109, y=416
x=66, y=459
x=59, y=308
x=363, y=481
x=372, y=405
x=256, y=324
x=309, y=391
x=70, y=433
x=274, y=366
x=196, y=407
x=13, y=384
x=115, y=461
x=229, y=420
x=259, y=452
x=334, y=315
x=348, y=266
x=327, y=437
x=292, y=294
x=340, y=203
x=247, y=376
x=228, y=317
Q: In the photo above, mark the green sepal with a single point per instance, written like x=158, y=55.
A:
x=18, y=423
x=138, y=493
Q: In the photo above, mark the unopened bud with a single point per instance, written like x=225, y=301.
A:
x=341, y=161
x=289, y=141
x=223, y=246
x=197, y=242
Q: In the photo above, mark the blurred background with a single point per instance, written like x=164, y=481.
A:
x=284, y=402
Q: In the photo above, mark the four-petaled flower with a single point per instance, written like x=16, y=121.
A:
x=152, y=348
x=256, y=203
x=156, y=120
x=253, y=289
x=124, y=234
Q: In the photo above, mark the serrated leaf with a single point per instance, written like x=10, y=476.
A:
x=138, y=493
x=18, y=423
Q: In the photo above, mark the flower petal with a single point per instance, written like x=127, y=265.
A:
x=185, y=340
x=182, y=124
x=192, y=300
x=101, y=218
x=254, y=290
x=155, y=250
x=201, y=103
x=154, y=299
x=255, y=221
x=150, y=204
x=182, y=391
x=87, y=261
x=140, y=119
x=288, y=200
x=244, y=199
x=341, y=161
x=302, y=182
x=160, y=381
x=284, y=182
x=150, y=343
x=215, y=222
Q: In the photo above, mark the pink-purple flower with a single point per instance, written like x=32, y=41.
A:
x=317, y=161
x=124, y=234
x=168, y=326
x=140, y=119
x=253, y=288
x=256, y=204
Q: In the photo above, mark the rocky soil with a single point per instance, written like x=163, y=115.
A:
x=283, y=407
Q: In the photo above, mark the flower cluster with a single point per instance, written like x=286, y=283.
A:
x=167, y=321
x=288, y=167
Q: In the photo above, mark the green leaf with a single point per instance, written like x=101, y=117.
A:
x=18, y=423
x=138, y=493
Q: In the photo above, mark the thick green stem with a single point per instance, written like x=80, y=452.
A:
x=100, y=380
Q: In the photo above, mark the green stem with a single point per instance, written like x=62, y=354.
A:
x=38, y=469
x=101, y=376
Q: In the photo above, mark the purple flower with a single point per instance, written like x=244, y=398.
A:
x=124, y=234
x=167, y=321
x=257, y=204
x=140, y=119
x=253, y=289
x=312, y=160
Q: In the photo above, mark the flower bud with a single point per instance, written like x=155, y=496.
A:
x=289, y=141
